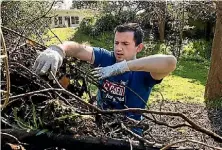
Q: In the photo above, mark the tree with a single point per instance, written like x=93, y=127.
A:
x=94, y=5
x=213, y=88
x=27, y=17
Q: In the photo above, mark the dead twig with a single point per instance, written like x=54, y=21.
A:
x=187, y=140
x=166, y=124
x=136, y=135
x=5, y=28
x=194, y=125
x=5, y=57
x=13, y=137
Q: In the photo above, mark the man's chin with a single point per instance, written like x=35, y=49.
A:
x=119, y=59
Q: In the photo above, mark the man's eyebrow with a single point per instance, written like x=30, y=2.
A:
x=122, y=41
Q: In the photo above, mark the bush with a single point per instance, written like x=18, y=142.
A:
x=106, y=22
x=199, y=48
x=87, y=24
x=95, y=26
x=152, y=48
x=194, y=58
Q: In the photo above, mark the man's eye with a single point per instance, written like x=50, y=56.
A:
x=126, y=43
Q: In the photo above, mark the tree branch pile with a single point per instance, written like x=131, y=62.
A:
x=41, y=110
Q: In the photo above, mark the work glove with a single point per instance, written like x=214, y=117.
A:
x=49, y=59
x=113, y=70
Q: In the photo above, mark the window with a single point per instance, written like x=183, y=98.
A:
x=56, y=21
x=75, y=20
x=60, y=20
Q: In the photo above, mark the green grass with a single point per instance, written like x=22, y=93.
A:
x=186, y=83
x=63, y=34
x=105, y=40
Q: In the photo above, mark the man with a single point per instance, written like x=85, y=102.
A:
x=119, y=71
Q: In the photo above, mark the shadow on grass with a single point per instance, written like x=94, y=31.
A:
x=214, y=109
x=195, y=70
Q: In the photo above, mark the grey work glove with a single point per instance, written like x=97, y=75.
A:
x=115, y=69
x=49, y=59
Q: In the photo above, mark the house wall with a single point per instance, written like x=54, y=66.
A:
x=80, y=14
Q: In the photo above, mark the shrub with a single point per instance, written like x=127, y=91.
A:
x=198, y=48
x=107, y=22
x=87, y=24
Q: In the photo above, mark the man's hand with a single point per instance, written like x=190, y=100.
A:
x=51, y=59
x=116, y=69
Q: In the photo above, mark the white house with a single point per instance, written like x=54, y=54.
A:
x=69, y=17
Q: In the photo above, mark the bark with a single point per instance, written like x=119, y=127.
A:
x=162, y=28
x=45, y=140
x=213, y=90
x=161, y=20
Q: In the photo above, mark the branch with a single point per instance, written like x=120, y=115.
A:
x=192, y=141
x=166, y=124
x=70, y=141
x=133, y=110
x=54, y=34
x=12, y=137
x=49, y=86
x=140, y=111
x=32, y=93
x=5, y=28
x=136, y=135
x=42, y=15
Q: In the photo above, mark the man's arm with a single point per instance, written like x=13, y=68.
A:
x=159, y=66
x=80, y=51
x=52, y=57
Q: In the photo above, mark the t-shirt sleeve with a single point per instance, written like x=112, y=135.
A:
x=149, y=79
x=103, y=57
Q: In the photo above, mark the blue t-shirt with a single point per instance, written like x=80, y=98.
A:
x=116, y=92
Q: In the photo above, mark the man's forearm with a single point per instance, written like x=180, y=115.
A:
x=71, y=49
x=153, y=63
x=80, y=51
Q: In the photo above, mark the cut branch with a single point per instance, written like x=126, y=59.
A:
x=192, y=141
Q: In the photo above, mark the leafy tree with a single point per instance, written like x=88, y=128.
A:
x=30, y=18
x=95, y=5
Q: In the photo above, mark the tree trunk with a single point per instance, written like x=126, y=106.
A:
x=161, y=23
x=213, y=88
x=161, y=20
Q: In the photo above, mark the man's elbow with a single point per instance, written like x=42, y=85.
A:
x=171, y=63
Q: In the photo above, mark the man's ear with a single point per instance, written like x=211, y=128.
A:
x=139, y=47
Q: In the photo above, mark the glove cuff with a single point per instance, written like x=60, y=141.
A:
x=58, y=49
x=123, y=66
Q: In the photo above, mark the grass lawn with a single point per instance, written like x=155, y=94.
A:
x=186, y=83
x=62, y=33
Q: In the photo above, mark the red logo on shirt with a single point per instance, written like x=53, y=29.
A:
x=114, y=89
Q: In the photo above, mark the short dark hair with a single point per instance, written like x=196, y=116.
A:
x=138, y=32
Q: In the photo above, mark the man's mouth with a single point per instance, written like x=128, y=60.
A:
x=119, y=54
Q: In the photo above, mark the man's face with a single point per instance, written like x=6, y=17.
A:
x=125, y=46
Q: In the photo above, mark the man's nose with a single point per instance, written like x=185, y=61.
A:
x=118, y=47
